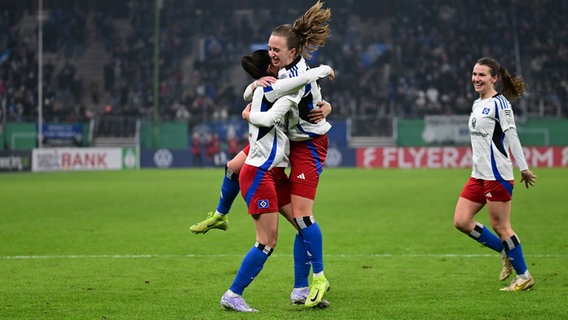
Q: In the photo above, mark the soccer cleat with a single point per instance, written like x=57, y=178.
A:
x=213, y=221
x=507, y=267
x=299, y=296
x=319, y=287
x=519, y=284
x=235, y=303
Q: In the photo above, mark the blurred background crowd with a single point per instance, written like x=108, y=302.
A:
x=406, y=58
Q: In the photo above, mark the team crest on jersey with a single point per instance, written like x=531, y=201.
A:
x=263, y=204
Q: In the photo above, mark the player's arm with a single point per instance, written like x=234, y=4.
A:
x=262, y=82
x=510, y=130
x=318, y=114
x=287, y=86
x=277, y=113
x=515, y=145
x=279, y=90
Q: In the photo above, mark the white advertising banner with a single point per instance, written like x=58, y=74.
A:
x=68, y=159
x=446, y=130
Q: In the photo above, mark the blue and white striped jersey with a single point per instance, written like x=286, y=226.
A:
x=489, y=120
x=299, y=127
x=269, y=115
x=269, y=146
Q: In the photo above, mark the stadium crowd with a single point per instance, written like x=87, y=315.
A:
x=406, y=58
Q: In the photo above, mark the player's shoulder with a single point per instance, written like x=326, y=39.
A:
x=501, y=101
x=293, y=70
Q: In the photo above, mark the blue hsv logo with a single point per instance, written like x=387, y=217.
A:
x=485, y=111
x=263, y=204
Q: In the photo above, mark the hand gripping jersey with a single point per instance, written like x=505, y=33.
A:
x=489, y=120
x=299, y=127
x=269, y=145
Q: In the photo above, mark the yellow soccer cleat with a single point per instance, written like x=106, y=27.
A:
x=213, y=221
x=519, y=284
x=319, y=287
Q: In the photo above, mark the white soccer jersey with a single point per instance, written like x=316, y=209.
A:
x=269, y=146
x=290, y=86
x=299, y=126
x=268, y=119
x=489, y=120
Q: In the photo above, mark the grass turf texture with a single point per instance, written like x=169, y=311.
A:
x=116, y=245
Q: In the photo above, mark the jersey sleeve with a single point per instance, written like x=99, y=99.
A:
x=507, y=122
x=247, y=95
x=287, y=86
x=516, y=148
x=506, y=116
x=276, y=114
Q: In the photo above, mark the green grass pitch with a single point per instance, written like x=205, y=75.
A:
x=116, y=245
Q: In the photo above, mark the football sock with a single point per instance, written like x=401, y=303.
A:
x=484, y=236
x=232, y=294
x=301, y=263
x=514, y=251
x=250, y=267
x=229, y=191
x=311, y=233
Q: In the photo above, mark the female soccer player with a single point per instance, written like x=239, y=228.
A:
x=263, y=182
x=493, y=132
x=288, y=45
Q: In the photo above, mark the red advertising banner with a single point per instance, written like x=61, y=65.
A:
x=449, y=157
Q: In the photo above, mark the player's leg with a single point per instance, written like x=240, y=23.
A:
x=471, y=201
x=253, y=262
x=311, y=236
x=307, y=159
x=302, y=264
x=229, y=191
x=500, y=215
x=499, y=195
x=262, y=203
x=463, y=220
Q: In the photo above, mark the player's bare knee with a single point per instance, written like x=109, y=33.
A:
x=503, y=231
x=463, y=225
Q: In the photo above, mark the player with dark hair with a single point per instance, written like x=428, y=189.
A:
x=307, y=129
x=493, y=133
x=263, y=182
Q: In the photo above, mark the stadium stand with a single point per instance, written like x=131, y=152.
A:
x=406, y=58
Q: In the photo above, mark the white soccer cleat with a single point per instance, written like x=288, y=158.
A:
x=519, y=284
x=507, y=267
x=235, y=303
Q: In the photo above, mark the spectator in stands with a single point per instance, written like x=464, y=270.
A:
x=403, y=58
x=212, y=146
x=196, y=150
